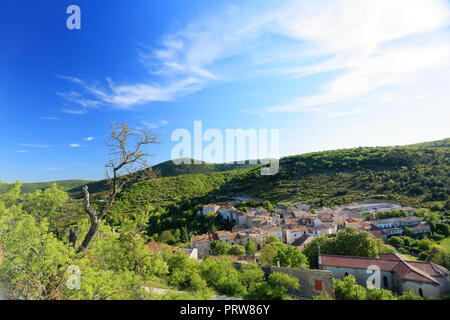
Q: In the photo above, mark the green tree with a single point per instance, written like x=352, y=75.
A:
x=348, y=289
x=236, y=251
x=348, y=242
x=323, y=296
x=379, y=294
x=311, y=249
x=443, y=229
x=220, y=248
x=396, y=241
x=278, y=284
x=409, y=295
x=44, y=203
x=252, y=277
x=291, y=257
x=250, y=248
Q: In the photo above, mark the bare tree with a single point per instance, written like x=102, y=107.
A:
x=127, y=164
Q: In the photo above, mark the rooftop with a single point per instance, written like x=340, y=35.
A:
x=406, y=270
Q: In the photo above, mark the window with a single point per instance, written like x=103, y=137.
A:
x=421, y=292
x=385, y=282
x=346, y=274
x=318, y=285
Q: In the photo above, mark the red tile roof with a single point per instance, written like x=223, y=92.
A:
x=203, y=238
x=406, y=270
x=157, y=247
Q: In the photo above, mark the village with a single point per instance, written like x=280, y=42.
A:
x=296, y=225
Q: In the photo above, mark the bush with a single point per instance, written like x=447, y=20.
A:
x=423, y=256
x=396, y=241
x=236, y=251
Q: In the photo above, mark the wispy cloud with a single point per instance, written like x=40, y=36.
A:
x=345, y=113
x=55, y=169
x=74, y=111
x=49, y=118
x=88, y=139
x=30, y=145
x=125, y=96
x=75, y=145
x=371, y=46
x=22, y=151
x=155, y=124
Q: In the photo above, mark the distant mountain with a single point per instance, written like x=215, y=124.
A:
x=164, y=169
x=413, y=176
x=444, y=143
x=32, y=187
x=170, y=169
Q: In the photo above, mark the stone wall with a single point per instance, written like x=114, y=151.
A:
x=307, y=279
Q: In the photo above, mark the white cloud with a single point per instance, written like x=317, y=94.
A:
x=359, y=37
x=155, y=124
x=30, y=145
x=22, y=151
x=74, y=145
x=345, y=113
x=88, y=139
x=49, y=118
x=373, y=45
x=74, y=111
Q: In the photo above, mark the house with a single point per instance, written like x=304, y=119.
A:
x=339, y=217
x=423, y=228
x=295, y=233
x=232, y=238
x=157, y=248
x=225, y=212
x=302, y=206
x=273, y=231
x=324, y=229
x=210, y=210
x=192, y=253
x=396, y=273
x=202, y=243
x=232, y=214
x=348, y=223
x=396, y=222
x=302, y=241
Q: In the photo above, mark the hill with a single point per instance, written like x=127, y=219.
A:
x=437, y=144
x=32, y=187
x=170, y=169
x=410, y=175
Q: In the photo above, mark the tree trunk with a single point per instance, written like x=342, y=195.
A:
x=73, y=236
x=95, y=223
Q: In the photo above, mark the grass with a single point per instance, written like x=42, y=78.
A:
x=445, y=244
x=410, y=257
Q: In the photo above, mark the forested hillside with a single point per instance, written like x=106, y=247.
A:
x=407, y=174
x=32, y=187
x=170, y=169
x=438, y=143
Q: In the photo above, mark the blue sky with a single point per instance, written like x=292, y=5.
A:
x=327, y=74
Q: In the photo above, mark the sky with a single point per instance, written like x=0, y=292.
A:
x=326, y=74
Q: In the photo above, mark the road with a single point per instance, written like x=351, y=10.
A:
x=2, y=295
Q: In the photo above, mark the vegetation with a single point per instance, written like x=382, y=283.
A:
x=38, y=259
x=413, y=176
x=348, y=289
x=32, y=187
x=347, y=242
x=275, y=252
